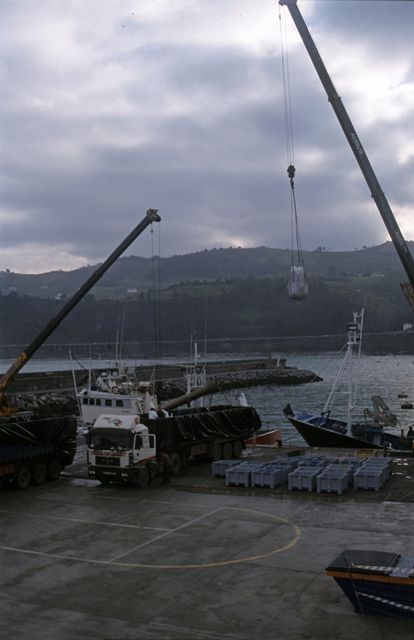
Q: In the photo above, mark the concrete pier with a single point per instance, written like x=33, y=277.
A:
x=193, y=560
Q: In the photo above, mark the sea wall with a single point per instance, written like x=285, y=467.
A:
x=170, y=379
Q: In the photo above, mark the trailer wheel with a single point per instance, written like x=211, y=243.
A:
x=237, y=449
x=22, y=478
x=227, y=451
x=215, y=451
x=53, y=469
x=175, y=463
x=39, y=473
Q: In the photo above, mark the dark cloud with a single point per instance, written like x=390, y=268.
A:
x=108, y=112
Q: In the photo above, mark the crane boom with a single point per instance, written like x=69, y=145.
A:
x=6, y=379
x=377, y=193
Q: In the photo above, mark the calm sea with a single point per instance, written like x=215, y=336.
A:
x=386, y=376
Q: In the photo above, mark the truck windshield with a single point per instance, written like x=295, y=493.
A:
x=110, y=439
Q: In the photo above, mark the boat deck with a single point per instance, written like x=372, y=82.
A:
x=193, y=560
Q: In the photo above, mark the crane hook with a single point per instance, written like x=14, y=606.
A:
x=291, y=173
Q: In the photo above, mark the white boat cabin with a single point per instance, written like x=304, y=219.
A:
x=115, y=393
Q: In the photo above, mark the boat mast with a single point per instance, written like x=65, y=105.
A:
x=354, y=338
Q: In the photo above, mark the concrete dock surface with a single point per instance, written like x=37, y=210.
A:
x=193, y=560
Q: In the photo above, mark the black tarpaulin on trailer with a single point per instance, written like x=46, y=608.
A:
x=31, y=428
x=195, y=425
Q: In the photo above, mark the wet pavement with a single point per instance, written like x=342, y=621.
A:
x=194, y=560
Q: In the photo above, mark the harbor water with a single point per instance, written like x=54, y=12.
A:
x=387, y=376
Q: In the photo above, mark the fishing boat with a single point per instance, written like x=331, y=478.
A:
x=324, y=430
x=376, y=582
x=115, y=391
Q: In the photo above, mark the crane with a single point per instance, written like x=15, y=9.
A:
x=8, y=377
x=361, y=157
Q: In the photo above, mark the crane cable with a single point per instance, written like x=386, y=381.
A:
x=296, y=245
x=294, y=223
x=286, y=93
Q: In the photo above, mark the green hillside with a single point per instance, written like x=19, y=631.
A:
x=140, y=274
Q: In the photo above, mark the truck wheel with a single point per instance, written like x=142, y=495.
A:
x=22, y=478
x=227, y=450
x=39, y=473
x=104, y=481
x=175, y=462
x=237, y=449
x=143, y=477
x=53, y=469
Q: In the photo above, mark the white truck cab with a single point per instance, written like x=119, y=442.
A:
x=121, y=449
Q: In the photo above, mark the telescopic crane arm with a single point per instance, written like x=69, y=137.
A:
x=8, y=377
x=358, y=150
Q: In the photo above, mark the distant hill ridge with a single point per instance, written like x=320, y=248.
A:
x=134, y=275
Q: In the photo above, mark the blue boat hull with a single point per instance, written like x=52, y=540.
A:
x=376, y=582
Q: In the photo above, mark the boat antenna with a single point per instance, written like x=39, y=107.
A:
x=359, y=321
x=298, y=287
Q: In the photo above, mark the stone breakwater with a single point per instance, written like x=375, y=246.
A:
x=54, y=390
x=238, y=379
x=267, y=376
x=56, y=403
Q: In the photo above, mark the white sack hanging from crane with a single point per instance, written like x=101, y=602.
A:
x=297, y=285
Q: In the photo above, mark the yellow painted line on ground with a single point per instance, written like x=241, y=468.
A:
x=82, y=521
x=296, y=533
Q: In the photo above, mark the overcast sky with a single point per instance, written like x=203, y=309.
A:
x=110, y=107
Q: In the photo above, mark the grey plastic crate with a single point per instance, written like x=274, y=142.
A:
x=219, y=467
x=378, y=462
x=385, y=464
x=284, y=472
x=355, y=463
x=369, y=478
x=334, y=479
x=303, y=478
x=268, y=476
x=240, y=475
x=285, y=465
x=316, y=461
